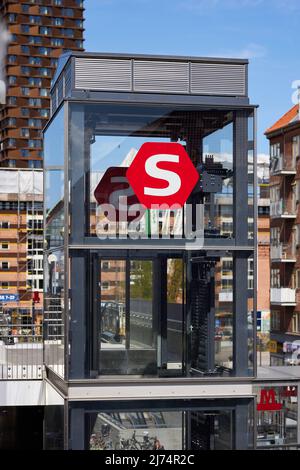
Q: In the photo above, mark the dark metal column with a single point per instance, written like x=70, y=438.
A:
x=78, y=274
x=241, y=427
x=240, y=261
x=77, y=429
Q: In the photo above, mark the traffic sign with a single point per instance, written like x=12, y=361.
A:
x=162, y=173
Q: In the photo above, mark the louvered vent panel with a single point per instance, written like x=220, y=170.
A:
x=103, y=74
x=218, y=79
x=161, y=77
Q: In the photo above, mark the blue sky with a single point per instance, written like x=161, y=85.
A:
x=265, y=31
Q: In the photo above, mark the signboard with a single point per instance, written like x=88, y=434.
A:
x=268, y=401
x=162, y=174
x=273, y=347
x=9, y=297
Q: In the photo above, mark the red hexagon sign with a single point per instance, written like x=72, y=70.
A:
x=162, y=173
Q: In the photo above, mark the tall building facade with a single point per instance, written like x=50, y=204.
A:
x=40, y=31
x=284, y=137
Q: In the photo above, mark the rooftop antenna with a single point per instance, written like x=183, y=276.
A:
x=4, y=40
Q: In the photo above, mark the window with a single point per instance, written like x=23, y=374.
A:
x=275, y=320
x=34, y=143
x=11, y=163
x=12, y=80
x=25, y=28
x=45, y=30
x=35, y=81
x=34, y=123
x=44, y=50
x=295, y=323
x=44, y=113
x=12, y=18
x=45, y=10
x=79, y=23
x=4, y=285
x=58, y=21
x=54, y=62
x=24, y=112
x=25, y=70
x=5, y=265
x=35, y=60
x=105, y=285
x=25, y=8
x=35, y=19
x=45, y=72
x=275, y=150
x=296, y=146
x=35, y=164
x=24, y=132
x=44, y=92
x=275, y=278
x=25, y=91
x=34, y=102
x=4, y=246
x=79, y=3
x=57, y=2
x=24, y=153
x=35, y=40
x=25, y=49
x=68, y=32
x=12, y=59
x=12, y=100
x=12, y=121
x=298, y=279
x=275, y=235
x=57, y=42
x=11, y=142
x=35, y=224
x=79, y=43
x=67, y=12
x=4, y=225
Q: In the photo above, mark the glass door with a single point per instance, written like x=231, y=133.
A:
x=139, y=309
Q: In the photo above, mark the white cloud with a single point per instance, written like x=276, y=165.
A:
x=250, y=51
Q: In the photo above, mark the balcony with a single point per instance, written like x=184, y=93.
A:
x=282, y=253
x=283, y=209
x=283, y=296
x=283, y=165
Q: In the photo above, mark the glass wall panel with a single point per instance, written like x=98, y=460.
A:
x=54, y=276
x=277, y=415
x=54, y=427
x=111, y=136
x=54, y=208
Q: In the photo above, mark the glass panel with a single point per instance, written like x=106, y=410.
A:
x=53, y=427
x=113, y=324
x=211, y=430
x=53, y=311
x=54, y=141
x=54, y=208
x=142, y=430
x=175, y=299
x=277, y=415
x=218, y=153
x=113, y=134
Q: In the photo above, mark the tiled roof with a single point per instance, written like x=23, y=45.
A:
x=284, y=120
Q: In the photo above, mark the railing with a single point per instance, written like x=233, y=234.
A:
x=283, y=295
x=282, y=164
x=21, y=352
x=282, y=252
x=283, y=208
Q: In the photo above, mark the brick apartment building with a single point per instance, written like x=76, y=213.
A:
x=284, y=137
x=40, y=31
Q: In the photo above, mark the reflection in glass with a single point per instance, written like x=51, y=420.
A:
x=142, y=430
x=54, y=208
x=53, y=311
x=113, y=325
